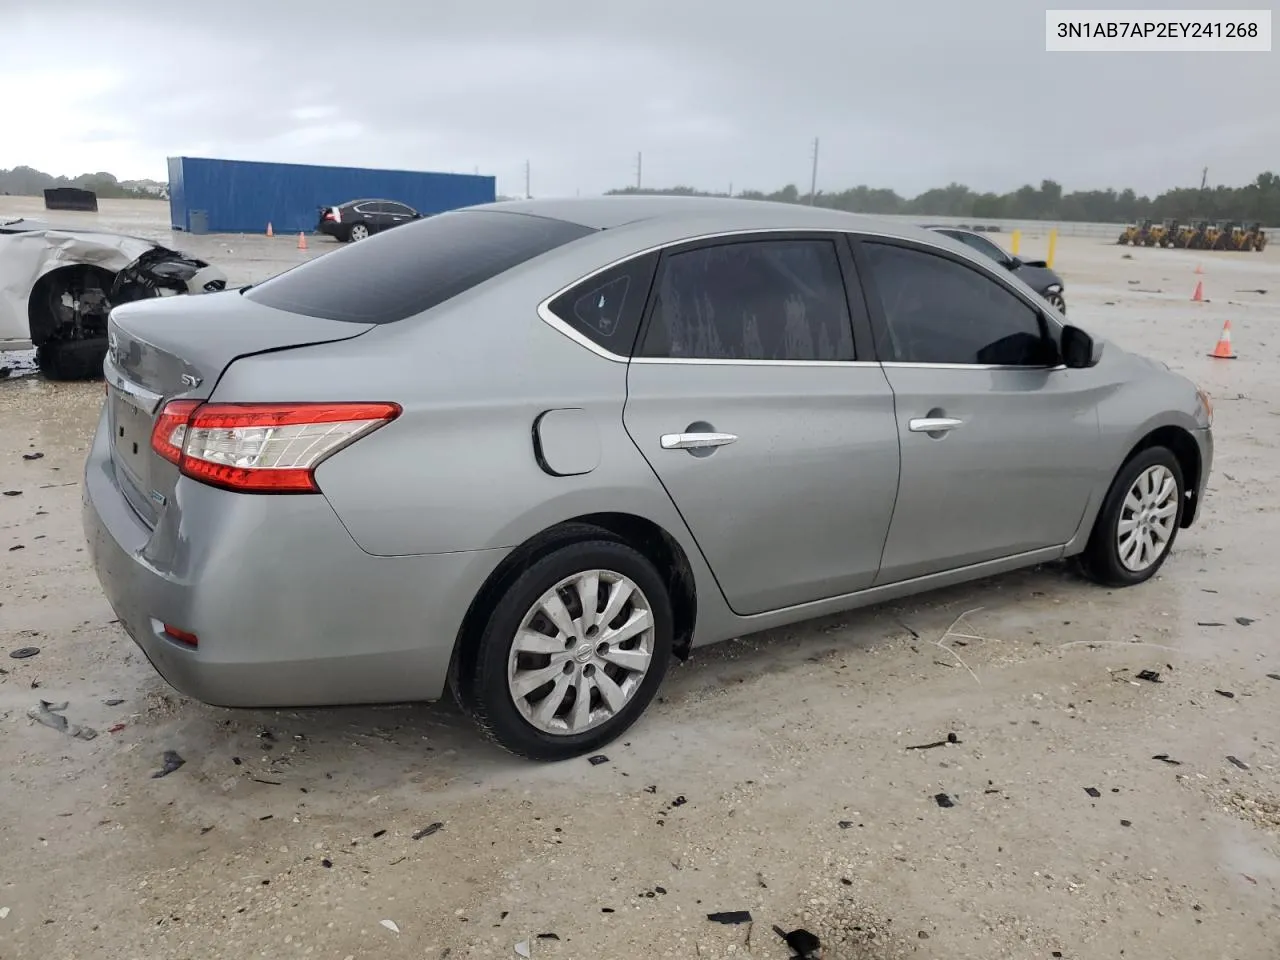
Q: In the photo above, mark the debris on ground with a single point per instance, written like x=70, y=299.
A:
x=1093, y=792
x=1273, y=676
x=598, y=759
x=951, y=738
x=1164, y=758
x=428, y=830
x=24, y=653
x=1126, y=823
x=522, y=948
x=804, y=944
x=944, y=801
x=1210, y=623
x=548, y=936
x=1225, y=693
x=112, y=702
x=1151, y=676
x=390, y=925
x=13, y=493
x=730, y=917
x=50, y=714
x=32, y=456
x=1245, y=621
x=1237, y=762
x=116, y=727
x=169, y=763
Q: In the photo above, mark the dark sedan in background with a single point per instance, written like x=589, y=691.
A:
x=358, y=219
x=1036, y=274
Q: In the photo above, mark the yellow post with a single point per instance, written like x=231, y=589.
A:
x=1053, y=246
x=1015, y=242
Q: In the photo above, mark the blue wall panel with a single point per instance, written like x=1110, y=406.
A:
x=244, y=196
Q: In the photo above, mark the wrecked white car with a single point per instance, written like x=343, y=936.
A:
x=58, y=285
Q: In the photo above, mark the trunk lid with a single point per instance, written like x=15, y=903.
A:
x=177, y=348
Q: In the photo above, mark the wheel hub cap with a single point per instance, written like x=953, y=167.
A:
x=1147, y=518
x=581, y=653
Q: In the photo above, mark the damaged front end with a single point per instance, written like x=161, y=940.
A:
x=69, y=307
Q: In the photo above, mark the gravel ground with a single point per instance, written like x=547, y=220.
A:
x=774, y=775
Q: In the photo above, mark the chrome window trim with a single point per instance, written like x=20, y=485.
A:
x=555, y=323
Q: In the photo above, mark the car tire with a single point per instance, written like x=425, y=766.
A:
x=1058, y=303
x=494, y=677
x=1143, y=481
x=354, y=237
x=72, y=359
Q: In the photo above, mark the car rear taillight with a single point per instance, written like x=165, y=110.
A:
x=262, y=447
x=170, y=430
x=336, y=215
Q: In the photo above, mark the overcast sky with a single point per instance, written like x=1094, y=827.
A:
x=907, y=94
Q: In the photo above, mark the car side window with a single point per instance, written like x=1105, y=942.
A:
x=771, y=299
x=397, y=209
x=937, y=310
x=607, y=308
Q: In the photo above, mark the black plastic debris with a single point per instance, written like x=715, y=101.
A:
x=113, y=702
x=598, y=759
x=1209, y=623
x=428, y=830
x=548, y=936
x=1151, y=676
x=1245, y=621
x=652, y=788
x=1165, y=758
x=944, y=801
x=845, y=824
x=378, y=833
x=24, y=653
x=1237, y=762
x=730, y=917
x=1273, y=676
x=679, y=801
x=1225, y=693
x=1093, y=792
x=17, y=547
x=951, y=738
x=1126, y=823
x=169, y=763
x=32, y=456
x=804, y=944
x=326, y=863
x=13, y=493
x=50, y=715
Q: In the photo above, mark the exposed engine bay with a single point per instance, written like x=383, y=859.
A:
x=57, y=287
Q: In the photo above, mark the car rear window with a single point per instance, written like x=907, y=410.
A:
x=402, y=272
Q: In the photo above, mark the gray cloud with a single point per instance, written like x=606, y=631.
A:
x=908, y=95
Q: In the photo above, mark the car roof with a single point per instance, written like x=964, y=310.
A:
x=695, y=215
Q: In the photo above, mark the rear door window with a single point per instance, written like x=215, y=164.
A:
x=403, y=272
x=780, y=299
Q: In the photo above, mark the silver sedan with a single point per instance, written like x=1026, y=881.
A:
x=531, y=451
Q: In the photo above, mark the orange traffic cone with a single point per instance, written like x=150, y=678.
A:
x=302, y=240
x=270, y=232
x=1198, y=296
x=1222, y=350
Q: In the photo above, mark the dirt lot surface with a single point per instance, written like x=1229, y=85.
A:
x=775, y=774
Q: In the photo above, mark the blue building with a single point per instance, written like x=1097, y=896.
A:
x=241, y=196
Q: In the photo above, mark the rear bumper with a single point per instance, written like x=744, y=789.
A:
x=336, y=230
x=288, y=610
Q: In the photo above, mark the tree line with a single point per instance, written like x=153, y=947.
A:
x=1257, y=201
x=30, y=182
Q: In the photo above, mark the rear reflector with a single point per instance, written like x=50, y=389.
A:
x=261, y=447
x=182, y=636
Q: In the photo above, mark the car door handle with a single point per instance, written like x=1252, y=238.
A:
x=934, y=424
x=695, y=441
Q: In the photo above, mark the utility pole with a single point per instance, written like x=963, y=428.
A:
x=731, y=188
x=639, y=168
x=813, y=181
x=527, y=194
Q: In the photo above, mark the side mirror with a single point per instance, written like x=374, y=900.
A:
x=1079, y=350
